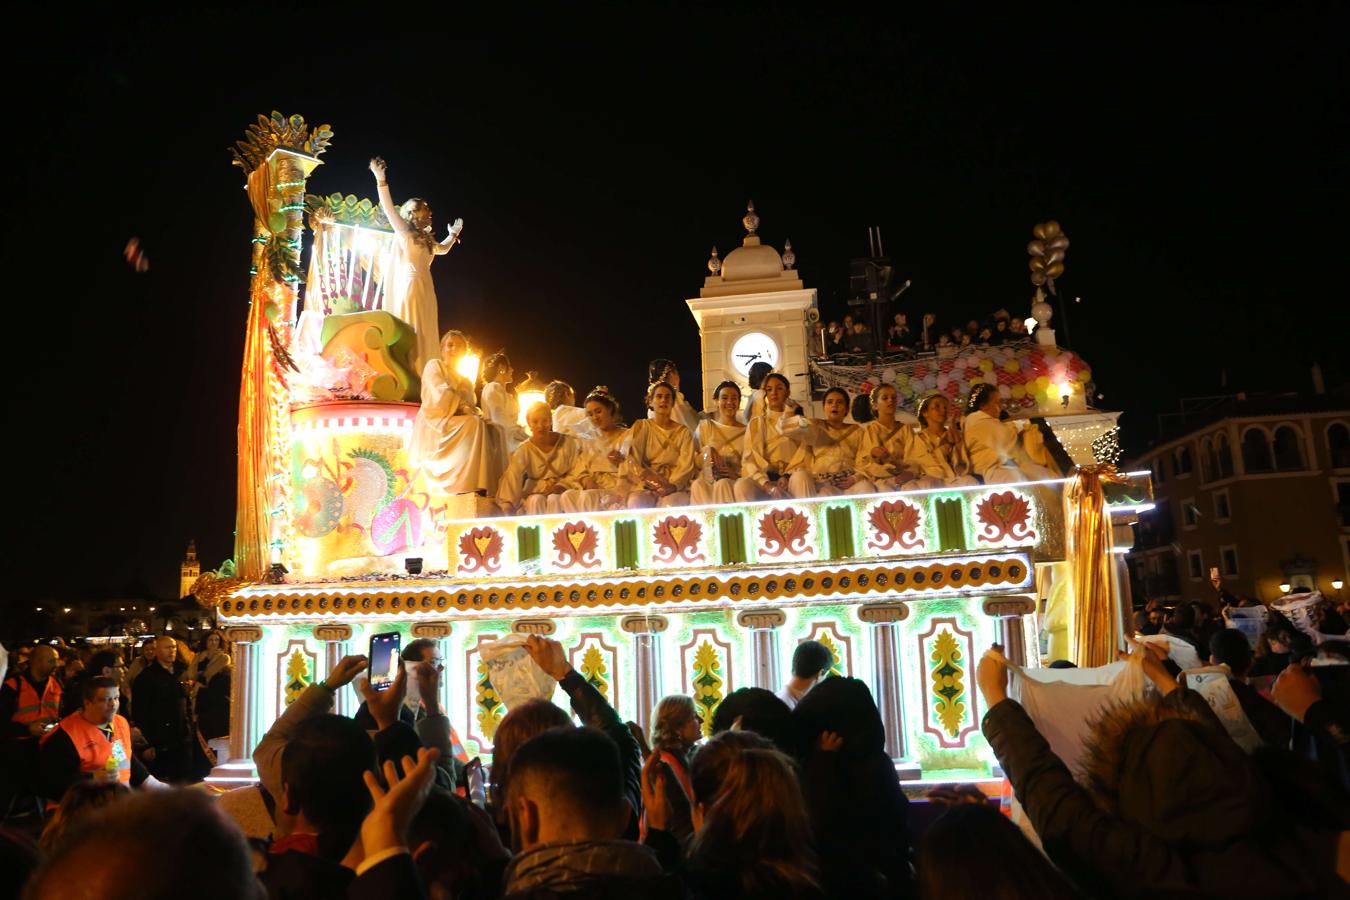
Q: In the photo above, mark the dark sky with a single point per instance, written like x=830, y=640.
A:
x=1195, y=156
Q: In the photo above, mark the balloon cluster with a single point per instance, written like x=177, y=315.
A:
x=1027, y=378
x=1047, y=254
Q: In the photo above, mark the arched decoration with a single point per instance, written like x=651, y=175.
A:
x=1181, y=461
x=950, y=701
x=1338, y=445
x=1256, y=456
x=1288, y=449
x=705, y=667
x=597, y=661
x=295, y=672
x=1223, y=449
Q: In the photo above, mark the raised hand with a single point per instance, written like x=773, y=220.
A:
x=456, y=227
x=347, y=668
x=992, y=676
x=383, y=705
x=378, y=168
x=386, y=825
x=428, y=677
x=548, y=655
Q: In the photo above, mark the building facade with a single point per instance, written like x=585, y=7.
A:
x=1259, y=490
x=189, y=571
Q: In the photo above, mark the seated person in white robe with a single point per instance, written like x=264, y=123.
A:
x=767, y=451
x=659, y=370
x=541, y=469
x=568, y=418
x=938, y=449
x=456, y=451
x=721, y=442
x=603, y=486
x=661, y=460
x=995, y=446
x=825, y=464
x=884, y=449
x=500, y=406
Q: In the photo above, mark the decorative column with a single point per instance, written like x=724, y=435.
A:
x=1011, y=634
x=335, y=640
x=884, y=619
x=244, y=692
x=646, y=663
x=763, y=625
x=1122, y=542
x=438, y=632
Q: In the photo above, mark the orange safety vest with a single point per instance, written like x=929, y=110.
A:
x=106, y=760
x=31, y=707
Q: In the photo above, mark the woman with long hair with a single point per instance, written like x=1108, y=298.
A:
x=825, y=464
x=681, y=411
x=661, y=459
x=944, y=859
x=721, y=443
x=412, y=295
x=676, y=728
x=764, y=463
x=542, y=468
x=995, y=445
x=884, y=447
x=498, y=399
x=603, y=485
x=752, y=835
x=211, y=675
x=938, y=450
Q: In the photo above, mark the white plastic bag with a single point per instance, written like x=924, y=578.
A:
x=1180, y=651
x=1250, y=620
x=514, y=676
x=1211, y=682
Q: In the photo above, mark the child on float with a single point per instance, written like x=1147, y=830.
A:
x=938, y=449
x=884, y=448
x=659, y=370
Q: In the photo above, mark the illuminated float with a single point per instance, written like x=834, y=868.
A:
x=906, y=589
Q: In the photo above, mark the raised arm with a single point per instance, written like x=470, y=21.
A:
x=378, y=168
x=451, y=238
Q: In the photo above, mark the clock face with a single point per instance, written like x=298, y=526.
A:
x=753, y=347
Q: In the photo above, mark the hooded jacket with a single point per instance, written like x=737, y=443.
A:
x=1168, y=805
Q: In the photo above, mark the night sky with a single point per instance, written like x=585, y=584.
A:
x=1196, y=157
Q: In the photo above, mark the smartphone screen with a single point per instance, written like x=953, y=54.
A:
x=384, y=651
x=477, y=789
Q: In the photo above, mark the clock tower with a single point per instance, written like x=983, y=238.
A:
x=754, y=308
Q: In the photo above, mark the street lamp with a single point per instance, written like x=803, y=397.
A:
x=1284, y=587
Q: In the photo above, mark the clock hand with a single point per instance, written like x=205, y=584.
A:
x=748, y=355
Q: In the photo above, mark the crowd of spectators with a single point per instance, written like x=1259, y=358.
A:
x=852, y=335
x=777, y=796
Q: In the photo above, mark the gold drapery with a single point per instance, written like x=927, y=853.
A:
x=1094, y=629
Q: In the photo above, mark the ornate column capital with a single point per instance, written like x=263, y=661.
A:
x=243, y=634
x=644, y=624
x=1006, y=607
x=534, y=626
x=761, y=619
x=332, y=634
x=432, y=630
x=883, y=613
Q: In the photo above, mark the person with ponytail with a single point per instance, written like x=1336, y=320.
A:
x=827, y=451
x=938, y=450
x=721, y=443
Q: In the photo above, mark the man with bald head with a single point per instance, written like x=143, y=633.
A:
x=30, y=706
x=160, y=712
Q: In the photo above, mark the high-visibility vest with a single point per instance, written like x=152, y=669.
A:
x=106, y=760
x=31, y=707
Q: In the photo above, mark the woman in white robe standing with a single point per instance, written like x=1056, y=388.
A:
x=721, y=442
x=603, y=486
x=541, y=469
x=412, y=295
x=661, y=459
x=825, y=464
x=456, y=451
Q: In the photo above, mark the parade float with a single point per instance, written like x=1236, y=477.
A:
x=339, y=538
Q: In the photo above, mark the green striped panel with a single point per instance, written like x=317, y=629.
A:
x=839, y=523
x=951, y=523
x=732, y=529
x=626, y=544
x=527, y=542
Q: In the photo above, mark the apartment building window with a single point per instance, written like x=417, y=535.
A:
x=1181, y=462
x=1338, y=445
x=1224, y=450
x=1228, y=561
x=1223, y=510
x=1288, y=449
x=1343, y=502
x=1195, y=565
x=1256, y=451
x=1190, y=515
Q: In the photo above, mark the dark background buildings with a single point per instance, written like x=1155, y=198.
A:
x=1195, y=155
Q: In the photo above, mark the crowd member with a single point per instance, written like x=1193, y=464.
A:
x=827, y=451
x=760, y=711
x=144, y=658
x=603, y=486
x=661, y=461
x=542, y=469
x=811, y=662
x=861, y=341
x=886, y=442
x=1181, y=625
x=676, y=729
x=752, y=834
x=768, y=451
x=1168, y=804
x=92, y=744
x=944, y=859
x=160, y=711
x=211, y=676
x=938, y=449
x=103, y=664
x=898, y=336
x=30, y=701
x=721, y=445
x=663, y=371
x=858, y=809
x=1229, y=647
x=835, y=339
x=80, y=799
x=754, y=401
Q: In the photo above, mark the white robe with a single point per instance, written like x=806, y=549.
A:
x=456, y=451
x=412, y=295
x=501, y=408
x=728, y=442
x=534, y=472
x=611, y=488
x=669, y=452
x=681, y=412
x=996, y=453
